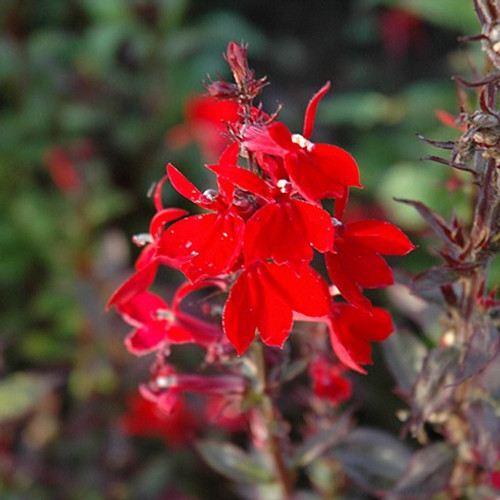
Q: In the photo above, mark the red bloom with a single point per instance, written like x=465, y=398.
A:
x=317, y=171
x=167, y=386
x=144, y=418
x=62, y=170
x=156, y=324
x=208, y=244
x=264, y=298
x=400, y=30
x=206, y=119
x=328, y=381
x=296, y=225
x=352, y=330
x=356, y=260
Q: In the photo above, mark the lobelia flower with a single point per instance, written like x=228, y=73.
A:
x=328, y=381
x=62, y=170
x=317, y=171
x=144, y=418
x=207, y=244
x=356, y=261
x=206, y=124
x=352, y=330
x=264, y=298
x=296, y=225
x=157, y=325
x=166, y=386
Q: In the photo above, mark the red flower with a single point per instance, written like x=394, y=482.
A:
x=352, y=330
x=296, y=225
x=62, y=170
x=356, y=260
x=328, y=381
x=400, y=30
x=144, y=418
x=206, y=123
x=166, y=386
x=156, y=324
x=317, y=171
x=264, y=298
x=207, y=244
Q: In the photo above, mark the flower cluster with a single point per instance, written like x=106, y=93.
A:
x=254, y=238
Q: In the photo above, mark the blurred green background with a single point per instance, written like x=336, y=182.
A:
x=88, y=92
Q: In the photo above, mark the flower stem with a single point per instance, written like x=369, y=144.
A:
x=268, y=418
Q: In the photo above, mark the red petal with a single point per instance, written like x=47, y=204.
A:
x=207, y=245
x=380, y=236
x=274, y=318
x=157, y=194
x=141, y=308
x=364, y=266
x=272, y=166
x=295, y=225
x=147, y=338
x=311, y=110
x=238, y=319
x=305, y=292
x=147, y=255
x=274, y=140
x=137, y=283
x=244, y=179
x=323, y=172
x=344, y=282
x=351, y=330
x=185, y=188
x=164, y=217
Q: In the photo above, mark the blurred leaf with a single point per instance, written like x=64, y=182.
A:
x=429, y=282
x=21, y=392
x=446, y=13
x=421, y=182
x=232, y=462
x=10, y=58
x=404, y=355
x=372, y=458
x=110, y=10
x=361, y=109
x=316, y=445
x=485, y=427
x=434, y=386
x=480, y=350
x=428, y=472
x=433, y=219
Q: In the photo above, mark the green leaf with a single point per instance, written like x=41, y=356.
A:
x=20, y=393
x=232, y=462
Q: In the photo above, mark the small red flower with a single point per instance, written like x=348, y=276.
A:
x=206, y=124
x=166, y=386
x=144, y=418
x=296, y=225
x=352, y=330
x=328, y=381
x=157, y=325
x=62, y=170
x=264, y=298
x=356, y=260
x=317, y=171
x=207, y=244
